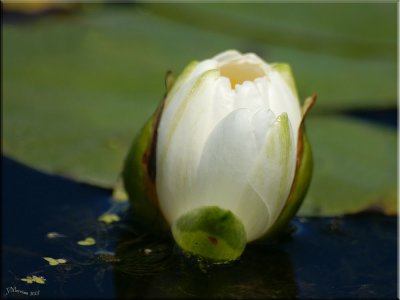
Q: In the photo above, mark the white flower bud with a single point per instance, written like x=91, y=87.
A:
x=226, y=143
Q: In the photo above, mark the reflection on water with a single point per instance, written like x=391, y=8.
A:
x=149, y=269
x=63, y=239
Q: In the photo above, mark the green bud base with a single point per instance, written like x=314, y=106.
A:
x=210, y=232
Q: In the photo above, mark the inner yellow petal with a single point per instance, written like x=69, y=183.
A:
x=238, y=73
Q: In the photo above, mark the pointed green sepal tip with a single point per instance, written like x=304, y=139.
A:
x=210, y=232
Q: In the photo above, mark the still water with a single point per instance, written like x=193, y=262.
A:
x=57, y=219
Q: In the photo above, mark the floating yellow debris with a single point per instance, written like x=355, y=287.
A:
x=54, y=235
x=109, y=218
x=55, y=261
x=119, y=194
x=89, y=241
x=36, y=279
x=28, y=279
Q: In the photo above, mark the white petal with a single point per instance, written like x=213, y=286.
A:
x=262, y=85
x=186, y=80
x=223, y=146
x=262, y=121
x=222, y=177
x=255, y=59
x=253, y=213
x=223, y=103
x=282, y=99
x=247, y=95
x=227, y=158
x=182, y=134
x=227, y=56
x=273, y=171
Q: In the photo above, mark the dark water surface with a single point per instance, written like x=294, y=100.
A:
x=45, y=216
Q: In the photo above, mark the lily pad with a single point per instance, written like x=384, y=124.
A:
x=77, y=89
x=351, y=62
x=355, y=167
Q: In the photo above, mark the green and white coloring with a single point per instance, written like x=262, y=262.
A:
x=224, y=160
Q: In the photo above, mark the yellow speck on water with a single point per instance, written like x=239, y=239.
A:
x=28, y=279
x=39, y=279
x=55, y=261
x=54, y=235
x=89, y=241
x=119, y=194
x=36, y=279
x=109, y=218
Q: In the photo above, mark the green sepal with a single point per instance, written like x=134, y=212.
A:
x=138, y=176
x=210, y=232
x=169, y=81
x=297, y=194
x=302, y=178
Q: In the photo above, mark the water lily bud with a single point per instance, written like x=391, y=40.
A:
x=224, y=160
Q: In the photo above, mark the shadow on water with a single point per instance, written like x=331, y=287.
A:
x=47, y=216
